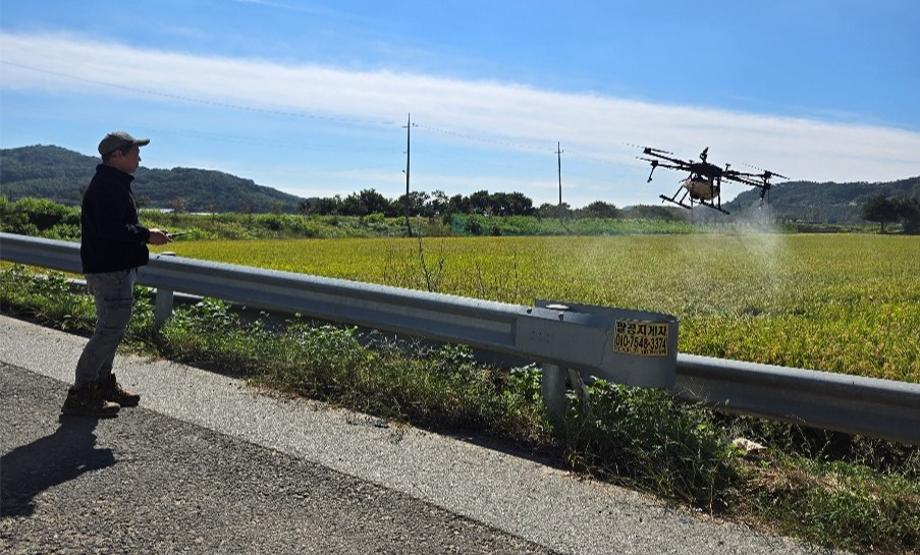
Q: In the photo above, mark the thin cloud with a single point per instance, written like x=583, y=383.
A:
x=588, y=125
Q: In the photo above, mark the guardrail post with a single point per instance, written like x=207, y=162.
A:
x=163, y=305
x=553, y=388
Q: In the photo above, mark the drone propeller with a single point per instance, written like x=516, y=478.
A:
x=768, y=174
x=651, y=150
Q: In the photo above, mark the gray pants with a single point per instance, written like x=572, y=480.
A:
x=113, y=293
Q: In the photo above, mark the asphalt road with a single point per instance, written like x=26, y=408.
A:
x=148, y=483
x=208, y=465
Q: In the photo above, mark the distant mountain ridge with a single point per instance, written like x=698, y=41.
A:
x=827, y=202
x=61, y=175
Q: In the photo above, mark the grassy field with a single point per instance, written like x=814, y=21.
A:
x=843, y=303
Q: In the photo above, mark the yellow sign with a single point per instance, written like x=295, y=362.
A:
x=634, y=337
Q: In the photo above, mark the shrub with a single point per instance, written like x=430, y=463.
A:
x=647, y=437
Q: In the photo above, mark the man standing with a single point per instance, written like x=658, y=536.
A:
x=112, y=246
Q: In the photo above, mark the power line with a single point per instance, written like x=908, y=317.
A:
x=494, y=142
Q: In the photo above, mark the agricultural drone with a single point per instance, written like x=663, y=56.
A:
x=704, y=184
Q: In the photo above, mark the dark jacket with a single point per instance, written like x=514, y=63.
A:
x=111, y=238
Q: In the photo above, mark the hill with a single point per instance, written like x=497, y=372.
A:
x=60, y=174
x=829, y=202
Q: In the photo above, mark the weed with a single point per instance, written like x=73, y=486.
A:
x=646, y=437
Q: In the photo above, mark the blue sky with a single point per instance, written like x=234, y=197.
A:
x=310, y=97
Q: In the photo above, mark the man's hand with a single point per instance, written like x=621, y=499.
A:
x=158, y=237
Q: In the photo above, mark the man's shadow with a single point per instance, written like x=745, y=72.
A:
x=28, y=470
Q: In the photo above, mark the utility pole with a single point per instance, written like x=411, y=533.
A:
x=559, y=152
x=409, y=125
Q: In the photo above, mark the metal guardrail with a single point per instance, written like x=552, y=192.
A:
x=577, y=337
x=874, y=407
x=589, y=339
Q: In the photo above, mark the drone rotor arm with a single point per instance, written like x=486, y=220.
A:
x=743, y=179
x=742, y=174
x=657, y=164
x=661, y=155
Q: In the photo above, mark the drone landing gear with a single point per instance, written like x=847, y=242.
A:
x=690, y=206
x=714, y=207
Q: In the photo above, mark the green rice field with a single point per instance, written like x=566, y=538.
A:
x=846, y=303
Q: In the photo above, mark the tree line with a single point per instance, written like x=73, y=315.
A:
x=438, y=203
x=885, y=210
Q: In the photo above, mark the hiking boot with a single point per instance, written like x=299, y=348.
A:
x=86, y=401
x=111, y=391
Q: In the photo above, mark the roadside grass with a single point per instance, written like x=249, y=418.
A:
x=831, y=489
x=835, y=503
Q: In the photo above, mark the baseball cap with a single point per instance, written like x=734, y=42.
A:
x=119, y=140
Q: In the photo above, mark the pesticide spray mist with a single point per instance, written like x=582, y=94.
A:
x=745, y=256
